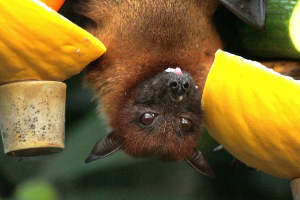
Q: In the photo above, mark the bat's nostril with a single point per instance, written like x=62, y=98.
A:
x=173, y=84
x=185, y=85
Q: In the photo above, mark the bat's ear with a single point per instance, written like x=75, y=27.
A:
x=251, y=11
x=198, y=161
x=106, y=146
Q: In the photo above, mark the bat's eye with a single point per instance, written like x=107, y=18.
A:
x=147, y=118
x=186, y=124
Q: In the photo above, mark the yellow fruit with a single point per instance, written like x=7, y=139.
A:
x=255, y=114
x=38, y=43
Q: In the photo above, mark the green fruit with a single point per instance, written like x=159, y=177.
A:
x=280, y=36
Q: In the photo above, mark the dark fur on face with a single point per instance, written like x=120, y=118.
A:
x=174, y=130
x=143, y=38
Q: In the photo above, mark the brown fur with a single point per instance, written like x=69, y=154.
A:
x=143, y=38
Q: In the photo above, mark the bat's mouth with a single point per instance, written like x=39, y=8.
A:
x=177, y=98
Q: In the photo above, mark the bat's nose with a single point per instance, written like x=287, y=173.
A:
x=178, y=88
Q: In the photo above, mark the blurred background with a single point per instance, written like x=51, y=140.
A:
x=66, y=176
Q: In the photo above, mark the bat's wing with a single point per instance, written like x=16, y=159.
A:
x=251, y=11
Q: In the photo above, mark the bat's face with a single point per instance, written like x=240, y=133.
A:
x=161, y=118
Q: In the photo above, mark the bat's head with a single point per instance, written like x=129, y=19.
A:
x=164, y=115
x=160, y=118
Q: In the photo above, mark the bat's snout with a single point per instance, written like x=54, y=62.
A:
x=179, y=87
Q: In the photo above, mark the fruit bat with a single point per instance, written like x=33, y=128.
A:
x=149, y=82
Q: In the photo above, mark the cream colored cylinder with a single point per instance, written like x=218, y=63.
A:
x=32, y=117
x=295, y=187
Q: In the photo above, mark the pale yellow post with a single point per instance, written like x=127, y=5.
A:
x=295, y=186
x=32, y=117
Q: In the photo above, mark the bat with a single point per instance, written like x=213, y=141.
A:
x=149, y=83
